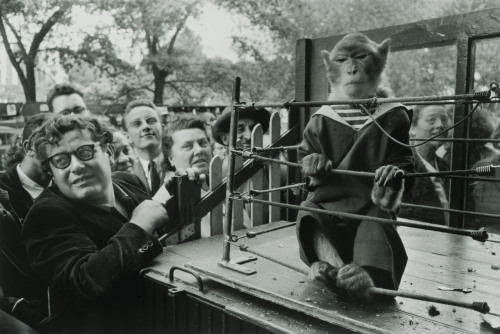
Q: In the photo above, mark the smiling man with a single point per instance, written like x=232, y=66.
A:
x=143, y=127
x=88, y=235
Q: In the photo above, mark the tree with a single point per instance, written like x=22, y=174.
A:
x=155, y=27
x=286, y=21
x=35, y=20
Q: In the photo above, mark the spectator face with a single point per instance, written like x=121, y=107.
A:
x=123, y=154
x=431, y=121
x=87, y=176
x=245, y=127
x=143, y=127
x=220, y=150
x=190, y=148
x=69, y=104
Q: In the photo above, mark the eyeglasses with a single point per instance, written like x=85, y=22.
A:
x=63, y=159
x=76, y=110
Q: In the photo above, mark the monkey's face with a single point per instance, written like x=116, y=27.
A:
x=354, y=67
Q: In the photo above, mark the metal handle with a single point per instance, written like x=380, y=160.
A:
x=189, y=271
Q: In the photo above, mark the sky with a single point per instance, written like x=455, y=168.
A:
x=215, y=26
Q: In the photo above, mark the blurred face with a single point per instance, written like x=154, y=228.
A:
x=71, y=104
x=35, y=163
x=190, y=148
x=88, y=181
x=431, y=121
x=143, y=128
x=245, y=127
x=123, y=155
x=220, y=150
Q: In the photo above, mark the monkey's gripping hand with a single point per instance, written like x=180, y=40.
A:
x=356, y=282
x=388, y=187
x=315, y=168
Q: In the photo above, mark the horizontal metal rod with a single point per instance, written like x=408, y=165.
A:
x=444, y=174
x=271, y=149
x=472, y=213
x=480, y=235
x=477, y=306
x=264, y=191
x=470, y=140
x=476, y=96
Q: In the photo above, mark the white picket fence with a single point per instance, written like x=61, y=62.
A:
x=258, y=213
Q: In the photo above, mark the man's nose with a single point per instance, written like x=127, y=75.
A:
x=76, y=164
x=122, y=157
x=247, y=133
x=439, y=124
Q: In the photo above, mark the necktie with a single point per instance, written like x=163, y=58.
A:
x=154, y=176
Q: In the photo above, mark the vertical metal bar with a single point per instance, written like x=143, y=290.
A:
x=300, y=117
x=227, y=224
x=463, y=85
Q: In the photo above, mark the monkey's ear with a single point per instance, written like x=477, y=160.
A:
x=384, y=47
x=326, y=59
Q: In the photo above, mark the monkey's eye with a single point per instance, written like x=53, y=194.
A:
x=340, y=60
x=362, y=56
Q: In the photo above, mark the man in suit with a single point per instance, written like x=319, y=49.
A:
x=88, y=235
x=142, y=123
x=25, y=182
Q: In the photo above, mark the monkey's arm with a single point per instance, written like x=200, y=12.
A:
x=388, y=189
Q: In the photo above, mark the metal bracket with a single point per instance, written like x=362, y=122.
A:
x=235, y=264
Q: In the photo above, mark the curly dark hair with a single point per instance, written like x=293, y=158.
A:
x=55, y=127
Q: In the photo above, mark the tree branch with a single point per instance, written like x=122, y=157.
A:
x=16, y=35
x=44, y=30
x=10, y=53
x=177, y=31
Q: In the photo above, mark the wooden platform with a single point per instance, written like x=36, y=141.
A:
x=435, y=259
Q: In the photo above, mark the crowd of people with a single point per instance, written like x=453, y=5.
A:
x=86, y=206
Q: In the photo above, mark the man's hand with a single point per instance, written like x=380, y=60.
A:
x=149, y=215
x=389, y=176
x=315, y=167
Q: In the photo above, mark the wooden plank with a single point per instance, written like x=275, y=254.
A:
x=274, y=169
x=257, y=216
x=216, y=215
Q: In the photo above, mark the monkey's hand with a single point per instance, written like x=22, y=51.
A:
x=356, y=282
x=388, y=187
x=315, y=167
x=324, y=272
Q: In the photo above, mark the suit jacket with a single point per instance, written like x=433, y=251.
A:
x=20, y=199
x=91, y=256
x=424, y=193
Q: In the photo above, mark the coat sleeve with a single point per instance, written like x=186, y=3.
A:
x=63, y=254
x=311, y=142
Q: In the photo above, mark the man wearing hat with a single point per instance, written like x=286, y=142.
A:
x=247, y=120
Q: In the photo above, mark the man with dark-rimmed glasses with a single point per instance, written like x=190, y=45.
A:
x=66, y=99
x=89, y=234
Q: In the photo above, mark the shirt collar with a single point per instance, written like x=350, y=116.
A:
x=33, y=188
x=145, y=163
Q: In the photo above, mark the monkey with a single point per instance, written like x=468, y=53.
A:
x=351, y=256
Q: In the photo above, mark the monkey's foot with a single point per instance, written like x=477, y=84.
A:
x=356, y=282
